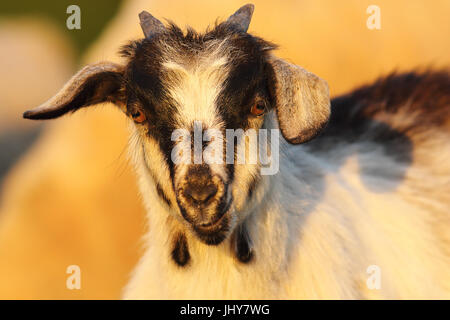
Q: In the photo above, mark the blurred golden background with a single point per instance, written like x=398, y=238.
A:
x=67, y=193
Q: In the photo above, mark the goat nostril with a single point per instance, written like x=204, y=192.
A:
x=201, y=194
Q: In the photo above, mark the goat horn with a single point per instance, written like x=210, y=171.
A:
x=241, y=18
x=149, y=24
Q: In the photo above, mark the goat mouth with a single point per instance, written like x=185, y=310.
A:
x=214, y=233
x=210, y=227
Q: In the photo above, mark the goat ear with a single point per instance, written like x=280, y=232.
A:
x=93, y=84
x=302, y=101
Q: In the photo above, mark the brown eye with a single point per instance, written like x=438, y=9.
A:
x=139, y=116
x=258, y=109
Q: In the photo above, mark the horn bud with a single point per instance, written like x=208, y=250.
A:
x=150, y=25
x=241, y=18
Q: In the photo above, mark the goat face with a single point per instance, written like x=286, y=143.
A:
x=182, y=87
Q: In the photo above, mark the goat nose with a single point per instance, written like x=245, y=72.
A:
x=201, y=193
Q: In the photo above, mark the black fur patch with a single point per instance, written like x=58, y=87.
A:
x=391, y=114
x=180, y=251
x=249, y=79
x=422, y=95
x=243, y=245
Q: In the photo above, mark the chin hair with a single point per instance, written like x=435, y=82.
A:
x=214, y=238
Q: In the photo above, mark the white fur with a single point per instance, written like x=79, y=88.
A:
x=316, y=227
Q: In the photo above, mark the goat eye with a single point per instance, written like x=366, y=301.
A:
x=258, y=109
x=139, y=116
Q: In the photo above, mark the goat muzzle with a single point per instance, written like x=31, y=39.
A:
x=202, y=197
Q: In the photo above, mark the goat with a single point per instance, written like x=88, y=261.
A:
x=227, y=231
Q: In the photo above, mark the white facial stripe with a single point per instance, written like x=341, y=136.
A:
x=194, y=84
